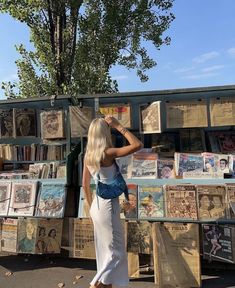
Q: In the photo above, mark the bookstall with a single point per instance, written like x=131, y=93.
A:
x=38, y=177
x=181, y=185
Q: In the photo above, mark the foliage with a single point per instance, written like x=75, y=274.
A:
x=77, y=42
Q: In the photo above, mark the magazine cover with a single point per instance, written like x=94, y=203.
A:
x=128, y=209
x=124, y=165
x=150, y=202
x=218, y=242
x=144, y=166
x=23, y=197
x=84, y=246
x=212, y=202
x=6, y=126
x=52, y=124
x=49, y=236
x=180, y=201
x=187, y=162
x=9, y=235
x=150, y=117
x=25, y=122
x=139, y=237
x=122, y=112
x=192, y=140
x=176, y=255
x=80, y=120
x=26, y=236
x=5, y=196
x=165, y=169
x=216, y=162
x=51, y=200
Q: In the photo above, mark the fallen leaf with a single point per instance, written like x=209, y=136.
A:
x=60, y=285
x=8, y=273
x=78, y=277
x=74, y=282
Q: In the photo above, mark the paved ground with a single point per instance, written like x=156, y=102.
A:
x=47, y=272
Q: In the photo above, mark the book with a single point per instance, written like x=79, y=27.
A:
x=181, y=201
x=218, y=243
x=150, y=117
x=51, y=200
x=144, y=166
x=186, y=162
x=5, y=196
x=212, y=203
x=23, y=197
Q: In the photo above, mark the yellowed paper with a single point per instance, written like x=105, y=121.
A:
x=222, y=111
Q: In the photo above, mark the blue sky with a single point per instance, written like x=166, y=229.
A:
x=201, y=53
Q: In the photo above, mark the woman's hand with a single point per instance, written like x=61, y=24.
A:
x=111, y=121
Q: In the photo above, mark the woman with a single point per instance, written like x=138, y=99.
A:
x=100, y=157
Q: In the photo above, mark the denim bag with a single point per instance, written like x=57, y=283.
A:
x=113, y=190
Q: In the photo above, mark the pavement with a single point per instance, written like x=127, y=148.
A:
x=41, y=271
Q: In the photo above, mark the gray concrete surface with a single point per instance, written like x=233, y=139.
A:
x=47, y=272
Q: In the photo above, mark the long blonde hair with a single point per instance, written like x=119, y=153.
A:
x=99, y=138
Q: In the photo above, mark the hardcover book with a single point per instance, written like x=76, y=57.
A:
x=51, y=200
x=180, y=201
x=23, y=198
x=150, y=202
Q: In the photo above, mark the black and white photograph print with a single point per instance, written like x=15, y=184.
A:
x=25, y=122
x=7, y=126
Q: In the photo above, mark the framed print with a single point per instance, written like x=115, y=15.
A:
x=25, y=122
x=7, y=124
x=51, y=200
x=122, y=112
x=80, y=120
x=150, y=117
x=23, y=198
x=222, y=111
x=52, y=124
x=186, y=114
x=5, y=194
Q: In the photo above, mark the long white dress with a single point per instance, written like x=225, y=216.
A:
x=111, y=256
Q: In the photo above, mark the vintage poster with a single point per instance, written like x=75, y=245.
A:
x=192, y=140
x=84, y=246
x=165, y=169
x=124, y=165
x=144, y=166
x=218, y=242
x=9, y=235
x=122, y=112
x=150, y=202
x=5, y=195
x=83, y=209
x=7, y=126
x=187, y=162
x=215, y=162
x=176, y=255
x=52, y=124
x=186, y=114
x=222, y=111
x=164, y=143
x=150, y=118
x=139, y=237
x=212, y=202
x=25, y=122
x=23, y=198
x=180, y=201
x=51, y=200
x=49, y=236
x=26, y=236
x=128, y=209
x=231, y=199
x=80, y=120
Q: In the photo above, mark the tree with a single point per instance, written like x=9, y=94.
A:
x=78, y=41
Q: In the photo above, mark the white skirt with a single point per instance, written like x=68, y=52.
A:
x=111, y=256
